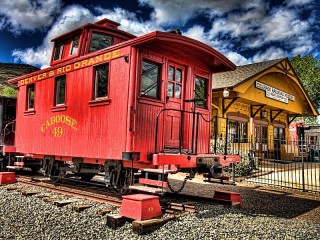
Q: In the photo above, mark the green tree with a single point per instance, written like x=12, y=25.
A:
x=308, y=71
x=9, y=92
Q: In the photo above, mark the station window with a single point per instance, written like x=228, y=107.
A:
x=200, y=92
x=75, y=45
x=30, y=96
x=58, y=51
x=99, y=41
x=237, y=131
x=60, y=90
x=101, y=81
x=150, y=79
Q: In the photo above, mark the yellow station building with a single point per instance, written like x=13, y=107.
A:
x=255, y=104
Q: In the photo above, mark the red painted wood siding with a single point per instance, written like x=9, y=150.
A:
x=100, y=131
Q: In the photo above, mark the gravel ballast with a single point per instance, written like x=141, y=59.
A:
x=26, y=218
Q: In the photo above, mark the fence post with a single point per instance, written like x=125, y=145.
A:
x=233, y=172
x=215, y=134
x=302, y=167
x=226, y=138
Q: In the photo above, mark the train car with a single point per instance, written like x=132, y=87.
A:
x=306, y=137
x=7, y=127
x=121, y=105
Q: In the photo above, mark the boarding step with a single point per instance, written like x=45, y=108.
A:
x=14, y=167
x=152, y=182
x=142, y=188
x=158, y=170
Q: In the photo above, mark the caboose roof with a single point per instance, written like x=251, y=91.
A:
x=102, y=24
x=182, y=45
x=175, y=44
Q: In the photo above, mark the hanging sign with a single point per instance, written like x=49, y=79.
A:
x=274, y=93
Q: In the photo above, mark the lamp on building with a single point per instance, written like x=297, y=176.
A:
x=264, y=114
x=225, y=92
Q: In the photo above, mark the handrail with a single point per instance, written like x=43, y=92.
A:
x=195, y=119
x=3, y=134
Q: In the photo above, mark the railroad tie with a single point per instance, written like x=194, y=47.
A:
x=62, y=203
x=105, y=211
x=81, y=207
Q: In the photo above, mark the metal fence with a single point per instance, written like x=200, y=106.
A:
x=278, y=162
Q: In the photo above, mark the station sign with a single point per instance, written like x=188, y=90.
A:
x=275, y=93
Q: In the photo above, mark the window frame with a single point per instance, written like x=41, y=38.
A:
x=59, y=45
x=101, y=33
x=57, y=90
x=157, y=84
x=72, y=45
x=95, y=82
x=29, y=99
x=174, y=81
x=240, y=126
x=204, y=104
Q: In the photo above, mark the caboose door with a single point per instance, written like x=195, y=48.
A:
x=173, y=101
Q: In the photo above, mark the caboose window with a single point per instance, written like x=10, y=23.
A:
x=150, y=79
x=75, y=45
x=101, y=81
x=30, y=96
x=200, y=92
x=58, y=51
x=99, y=41
x=60, y=90
x=174, y=82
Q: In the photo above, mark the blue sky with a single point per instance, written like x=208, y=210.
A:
x=246, y=31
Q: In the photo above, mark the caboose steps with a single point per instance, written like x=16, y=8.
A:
x=158, y=170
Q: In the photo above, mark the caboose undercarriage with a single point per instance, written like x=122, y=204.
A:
x=122, y=175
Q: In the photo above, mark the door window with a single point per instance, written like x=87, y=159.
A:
x=200, y=92
x=174, y=82
x=150, y=79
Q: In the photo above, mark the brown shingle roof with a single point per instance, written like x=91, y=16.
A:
x=242, y=73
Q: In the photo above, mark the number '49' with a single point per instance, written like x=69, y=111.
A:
x=57, y=132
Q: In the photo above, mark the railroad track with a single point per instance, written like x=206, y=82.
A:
x=90, y=194
x=95, y=191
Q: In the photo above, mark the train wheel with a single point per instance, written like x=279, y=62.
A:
x=124, y=181
x=58, y=176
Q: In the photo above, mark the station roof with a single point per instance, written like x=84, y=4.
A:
x=242, y=73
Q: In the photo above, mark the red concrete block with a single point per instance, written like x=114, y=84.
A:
x=228, y=196
x=140, y=206
x=7, y=177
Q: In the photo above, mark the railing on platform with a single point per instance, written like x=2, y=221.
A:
x=279, y=162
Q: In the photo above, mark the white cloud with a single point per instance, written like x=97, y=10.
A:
x=283, y=24
x=28, y=14
x=197, y=32
x=298, y=2
x=180, y=11
x=128, y=20
x=72, y=17
x=252, y=26
x=237, y=58
x=269, y=54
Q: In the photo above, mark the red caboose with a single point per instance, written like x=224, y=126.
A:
x=115, y=103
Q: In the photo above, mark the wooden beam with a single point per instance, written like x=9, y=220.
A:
x=272, y=118
x=225, y=109
x=293, y=118
x=255, y=113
